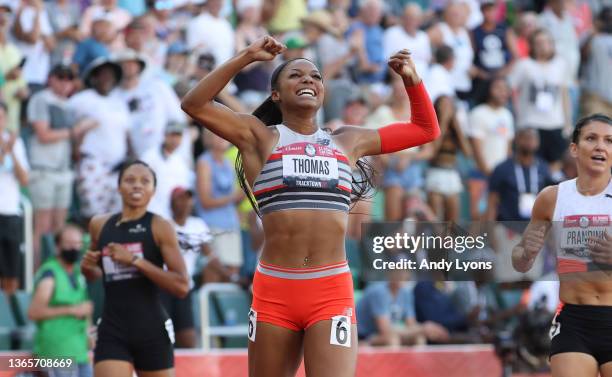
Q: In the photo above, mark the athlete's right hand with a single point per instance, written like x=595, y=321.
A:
x=533, y=241
x=265, y=49
x=91, y=259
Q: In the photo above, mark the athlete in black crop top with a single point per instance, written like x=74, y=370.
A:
x=128, y=251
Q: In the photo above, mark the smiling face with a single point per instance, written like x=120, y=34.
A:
x=137, y=186
x=299, y=85
x=593, y=149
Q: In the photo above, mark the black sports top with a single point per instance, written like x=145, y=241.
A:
x=131, y=301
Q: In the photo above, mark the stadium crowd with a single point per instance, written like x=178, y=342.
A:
x=86, y=85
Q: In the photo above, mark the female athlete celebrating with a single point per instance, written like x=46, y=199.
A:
x=580, y=214
x=301, y=179
x=131, y=248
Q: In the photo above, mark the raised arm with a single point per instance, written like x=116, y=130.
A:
x=422, y=129
x=242, y=130
x=525, y=253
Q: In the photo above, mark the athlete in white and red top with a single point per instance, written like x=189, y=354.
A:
x=579, y=213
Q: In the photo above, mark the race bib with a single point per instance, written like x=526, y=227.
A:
x=114, y=271
x=310, y=165
x=576, y=231
x=252, y=325
x=545, y=101
x=526, y=202
x=340, y=331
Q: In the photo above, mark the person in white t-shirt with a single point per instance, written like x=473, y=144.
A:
x=408, y=35
x=170, y=168
x=34, y=34
x=439, y=80
x=152, y=104
x=542, y=99
x=104, y=148
x=193, y=237
x=13, y=175
x=211, y=32
x=491, y=134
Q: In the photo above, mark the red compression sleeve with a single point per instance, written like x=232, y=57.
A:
x=423, y=128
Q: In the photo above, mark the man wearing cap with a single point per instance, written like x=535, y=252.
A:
x=50, y=153
x=152, y=104
x=170, y=168
x=105, y=147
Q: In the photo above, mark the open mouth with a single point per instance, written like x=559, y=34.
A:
x=306, y=93
x=136, y=195
x=598, y=158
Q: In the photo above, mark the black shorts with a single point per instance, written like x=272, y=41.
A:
x=552, y=145
x=180, y=310
x=585, y=329
x=10, y=243
x=147, y=352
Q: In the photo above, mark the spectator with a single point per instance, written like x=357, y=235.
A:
x=65, y=26
x=514, y=183
x=334, y=56
x=387, y=315
x=50, y=153
x=218, y=196
x=165, y=29
x=283, y=15
x=13, y=88
x=252, y=82
x=170, y=167
x=136, y=7
x=372, y=66
x=491, y=134
x=35, y=40
x=177, y=67
x=96, y=46
x=582, y=17
x=107, y=9
x=296, y=47
x=526, y=25
x=210, y=32
x=408, y=35
x=152, y=104
x=403, y=174
x=494, y=50
x=597, y=85
x=442, y=180
x=13, y=175
x=541, y=100
x=154, y=48
x=61, y=308
x=194, y=240
x=439, y=80
x=560, y=24
x=453, y=33
x=98, y=164
x=434, y=303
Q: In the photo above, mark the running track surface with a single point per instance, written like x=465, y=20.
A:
x=426, y=361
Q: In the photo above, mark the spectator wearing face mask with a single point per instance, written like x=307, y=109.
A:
x=60, y=305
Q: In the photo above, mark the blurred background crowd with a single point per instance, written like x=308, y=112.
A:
x=85, y=85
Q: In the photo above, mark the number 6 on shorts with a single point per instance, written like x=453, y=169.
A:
x=340, y=331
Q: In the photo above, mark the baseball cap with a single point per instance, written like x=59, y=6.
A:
x=175, y=128
x=180, y=191
x=295, y=42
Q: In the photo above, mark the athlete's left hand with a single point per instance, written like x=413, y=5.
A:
x=403, y=65
x=120, y=254
x=601, y=248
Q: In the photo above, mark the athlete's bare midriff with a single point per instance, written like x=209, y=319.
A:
x=593, y=288
x=304, y=238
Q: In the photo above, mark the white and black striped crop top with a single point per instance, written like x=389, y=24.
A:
x=304, y=172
